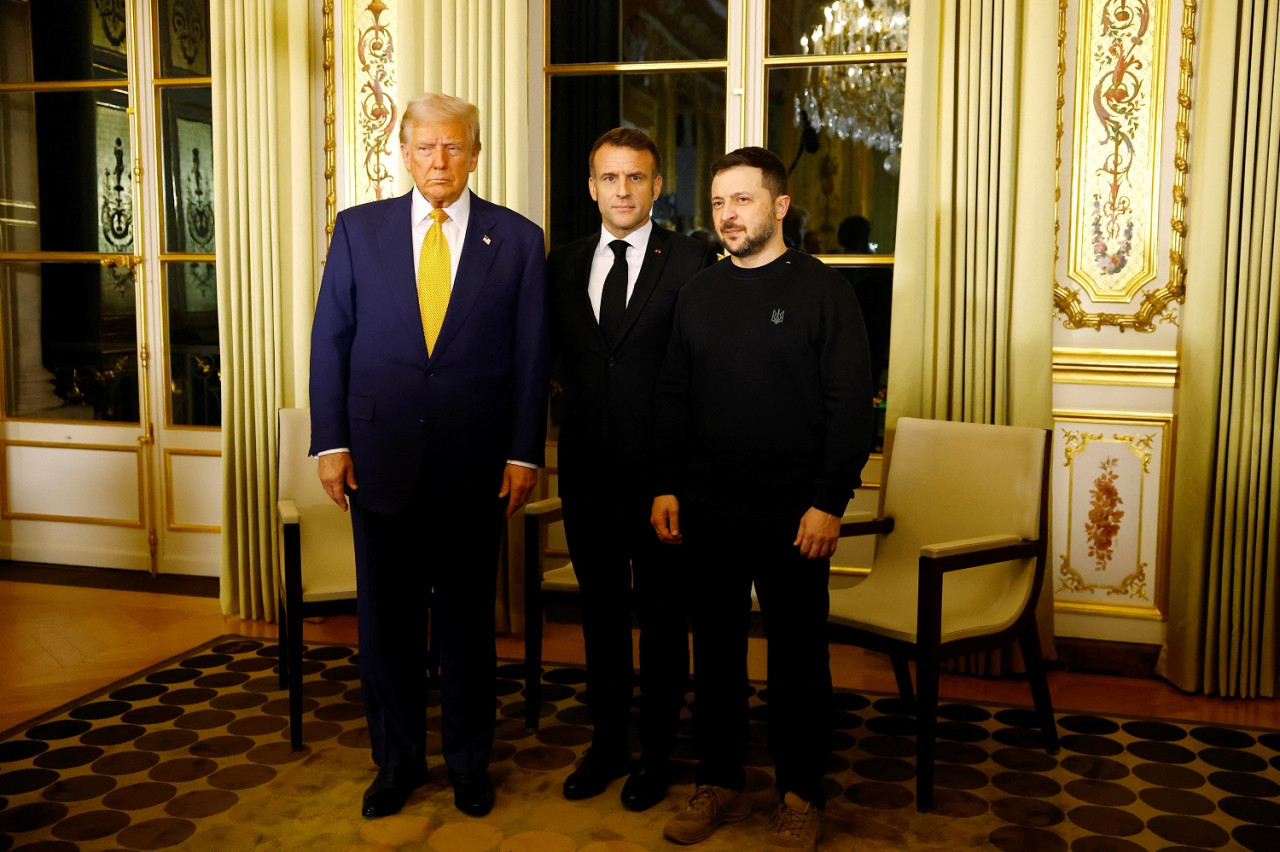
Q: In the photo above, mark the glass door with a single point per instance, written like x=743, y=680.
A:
x=108, y=311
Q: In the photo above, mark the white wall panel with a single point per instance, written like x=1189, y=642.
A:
x=193, y=488
x=83, y=484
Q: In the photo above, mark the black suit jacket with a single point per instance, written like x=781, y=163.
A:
x=606, y=427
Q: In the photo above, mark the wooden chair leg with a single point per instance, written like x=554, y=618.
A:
x=1029, y=642
x=532, y=624
x=902, y=672
x=291, y=629
x=282, y=642
x=926, y=725
x=294, y=653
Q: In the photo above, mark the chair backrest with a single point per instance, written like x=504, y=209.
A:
x=328, y=555
x=948, y=480
x=298, y=480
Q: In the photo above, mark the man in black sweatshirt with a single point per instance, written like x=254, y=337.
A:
x=763, y=424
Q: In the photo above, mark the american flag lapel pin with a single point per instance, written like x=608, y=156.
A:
x=487, y=240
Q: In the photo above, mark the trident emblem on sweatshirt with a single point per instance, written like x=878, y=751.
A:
x=778, y=313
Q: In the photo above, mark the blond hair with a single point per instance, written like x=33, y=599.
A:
x=433, y=106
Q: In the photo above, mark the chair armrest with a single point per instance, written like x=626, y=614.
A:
x=875, y=526
x=537, y=514
x=288, y=512
x=543, y=507
x=985, y=550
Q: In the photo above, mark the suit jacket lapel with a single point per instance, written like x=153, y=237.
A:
x=479, y=247
x=395, y=242
x=655, y=258
x=579, y=294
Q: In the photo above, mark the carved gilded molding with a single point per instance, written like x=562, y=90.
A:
x=1106, y=98
x=371, y=111
x=330, y=126
x=1128, y=367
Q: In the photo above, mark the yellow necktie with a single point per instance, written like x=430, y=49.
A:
x=433, y=278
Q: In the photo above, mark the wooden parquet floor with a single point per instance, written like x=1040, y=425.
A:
x=58, y=643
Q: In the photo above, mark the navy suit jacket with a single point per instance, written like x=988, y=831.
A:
x=479, y=400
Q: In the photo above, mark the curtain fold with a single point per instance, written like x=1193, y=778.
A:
x=267, y=268
x=1225, y=548
x=478, y=50
x=973, y=273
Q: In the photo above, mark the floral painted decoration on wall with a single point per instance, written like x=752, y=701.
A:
x=1104, y=514
x=1116, y=171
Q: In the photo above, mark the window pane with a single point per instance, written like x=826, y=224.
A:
x=67, y=163
x=841, y=135
x=184, y=38
x=65, y=40
x=70, y=341
x=195, y=383
x=188, y=170
x=683, y=112
x=849, y=27
x=874, y=287
x=636, y=31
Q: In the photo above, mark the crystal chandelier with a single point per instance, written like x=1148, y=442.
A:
x=861, y=102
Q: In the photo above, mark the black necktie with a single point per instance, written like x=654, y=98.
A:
x=613, y=301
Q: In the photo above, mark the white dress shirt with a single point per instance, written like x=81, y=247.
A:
x=455, y=229
x=603, y=259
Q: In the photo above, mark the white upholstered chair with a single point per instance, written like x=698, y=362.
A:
x=317, y=559
x=958, y=565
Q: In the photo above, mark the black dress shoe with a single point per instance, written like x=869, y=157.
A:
x=390, y=790
x=472, y=793
x=647, y=785
x=594, y=774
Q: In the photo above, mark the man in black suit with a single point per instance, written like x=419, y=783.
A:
x=612, y=298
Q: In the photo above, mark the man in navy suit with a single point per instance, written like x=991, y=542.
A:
x=429, y=429
x=613, y=293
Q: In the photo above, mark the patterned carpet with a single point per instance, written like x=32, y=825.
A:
x=194, y=754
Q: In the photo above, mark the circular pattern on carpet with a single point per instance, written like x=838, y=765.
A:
x=196, y=754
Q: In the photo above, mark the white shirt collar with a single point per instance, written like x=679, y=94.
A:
x=637, y=239
x=459, y=211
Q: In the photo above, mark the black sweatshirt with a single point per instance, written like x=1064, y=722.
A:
x=764, y=399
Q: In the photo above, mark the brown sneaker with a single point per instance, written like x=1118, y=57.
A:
x=795, y=828
x=707, y=809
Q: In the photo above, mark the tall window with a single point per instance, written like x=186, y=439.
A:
x=836, y=74
x=658, y=66
x=819, y=83
x=106, y=212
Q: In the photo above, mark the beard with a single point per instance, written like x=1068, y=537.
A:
x=752, y=243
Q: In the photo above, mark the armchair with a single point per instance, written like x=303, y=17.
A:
x=958, y=566
x=317, y=559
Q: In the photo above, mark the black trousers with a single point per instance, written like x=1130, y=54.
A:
x=620, y=562
x=728, y=552
x=440, y=553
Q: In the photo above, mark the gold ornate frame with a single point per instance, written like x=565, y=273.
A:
x=368, y=64
x=1156, y=305
x=1144, y=591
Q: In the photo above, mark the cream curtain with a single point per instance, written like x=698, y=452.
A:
x=973, y=272
x=267, y=267
x=478, y=50
x=1225, y=547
